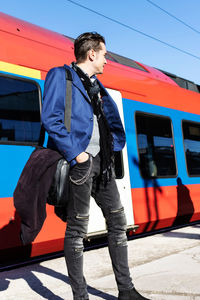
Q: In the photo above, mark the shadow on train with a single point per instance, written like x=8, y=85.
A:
x=184, y=204
x=37, y=286
x=185, y=208
x=150, y=225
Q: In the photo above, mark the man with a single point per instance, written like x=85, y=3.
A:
x=96, y=131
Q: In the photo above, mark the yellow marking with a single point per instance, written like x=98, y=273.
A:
x=19, y=70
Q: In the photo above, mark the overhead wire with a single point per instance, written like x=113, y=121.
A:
x=133, y=29
x=171, y=15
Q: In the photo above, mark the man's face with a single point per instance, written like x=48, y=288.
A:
x=100, y=59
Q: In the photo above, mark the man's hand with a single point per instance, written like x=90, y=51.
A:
x=82, y=157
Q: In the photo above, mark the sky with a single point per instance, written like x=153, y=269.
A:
x=69, y=19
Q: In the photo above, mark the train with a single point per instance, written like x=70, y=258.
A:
x=158, y=171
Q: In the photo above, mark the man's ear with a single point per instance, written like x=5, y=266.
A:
x=91, y=54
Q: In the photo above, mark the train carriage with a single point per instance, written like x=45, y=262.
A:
x=158, y=172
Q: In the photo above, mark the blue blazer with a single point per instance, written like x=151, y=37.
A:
x=72, y=143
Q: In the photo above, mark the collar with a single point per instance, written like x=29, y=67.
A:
x=81, y=73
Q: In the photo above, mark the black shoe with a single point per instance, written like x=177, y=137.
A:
x=131, y=295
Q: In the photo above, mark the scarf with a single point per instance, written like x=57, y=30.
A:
x=106, y=138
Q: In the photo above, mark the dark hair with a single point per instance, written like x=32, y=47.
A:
x=86, y=42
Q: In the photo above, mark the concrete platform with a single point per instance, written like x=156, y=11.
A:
x=163, y=266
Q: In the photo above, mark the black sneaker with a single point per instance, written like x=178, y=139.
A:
x=131, y=295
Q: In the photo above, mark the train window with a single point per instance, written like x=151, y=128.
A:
x=108, y=56
x=181, y=82
x=191, y=136
x=19, y=111
x=184, y=83
x=155, y=146
x=192, y=86
x=125, y=61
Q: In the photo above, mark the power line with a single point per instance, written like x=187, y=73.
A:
x=133, y=29
x=168, y=13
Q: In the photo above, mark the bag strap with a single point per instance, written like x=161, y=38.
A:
x=68, y=107
x=68, y=100
x=41, y=137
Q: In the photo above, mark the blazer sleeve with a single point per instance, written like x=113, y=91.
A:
x=53, y=111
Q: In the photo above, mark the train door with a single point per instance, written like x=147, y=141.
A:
x=97, y=222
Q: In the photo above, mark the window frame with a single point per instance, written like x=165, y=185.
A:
x=172, y=131
x=188, y=121
x=24, y=79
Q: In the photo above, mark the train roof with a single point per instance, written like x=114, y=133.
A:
x=36, y=47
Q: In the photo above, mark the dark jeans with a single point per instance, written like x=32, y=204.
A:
x=84, y=182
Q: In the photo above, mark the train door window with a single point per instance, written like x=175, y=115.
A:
x=155, y=146
x=191, y=137
x=118, y=165
x=19, y=111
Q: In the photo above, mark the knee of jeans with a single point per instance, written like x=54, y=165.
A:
x=116, y=221
x=77, y=226
x=116, y=225
x=73, y=249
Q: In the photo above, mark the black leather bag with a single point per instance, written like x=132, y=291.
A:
x=59, y=190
